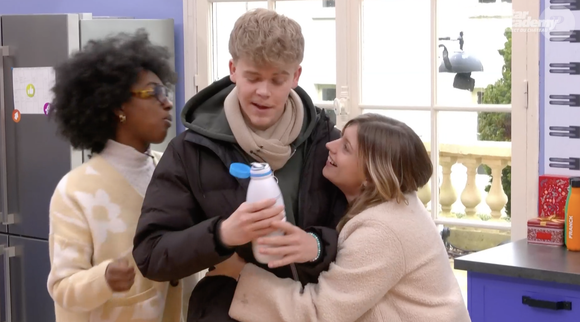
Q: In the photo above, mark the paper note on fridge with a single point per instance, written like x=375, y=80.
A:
x=32, y=89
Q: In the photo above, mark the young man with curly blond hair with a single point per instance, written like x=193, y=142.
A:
x=195, y=217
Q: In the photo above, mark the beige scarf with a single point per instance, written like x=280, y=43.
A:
x=272, y=145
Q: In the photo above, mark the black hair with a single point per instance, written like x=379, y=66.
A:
x=97, y=80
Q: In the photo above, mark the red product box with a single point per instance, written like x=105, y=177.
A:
x=546, y=231
x=552, y=195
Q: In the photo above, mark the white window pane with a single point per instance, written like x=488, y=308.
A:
x=396, y=52
x=483, y=25
x=318, y=25
x=224, y=16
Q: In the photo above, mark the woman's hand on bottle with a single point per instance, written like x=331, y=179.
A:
x=250, y=221
x=120, y=275
x=296, y=246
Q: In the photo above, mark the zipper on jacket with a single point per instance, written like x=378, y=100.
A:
x=308, y=152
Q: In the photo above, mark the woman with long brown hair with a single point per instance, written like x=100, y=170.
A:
x=391, y=263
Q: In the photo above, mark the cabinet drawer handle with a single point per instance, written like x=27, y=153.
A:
x=562, y=305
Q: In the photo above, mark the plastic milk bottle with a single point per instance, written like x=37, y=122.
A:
x=263, y=185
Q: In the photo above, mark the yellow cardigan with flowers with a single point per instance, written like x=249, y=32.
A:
x=93, y=217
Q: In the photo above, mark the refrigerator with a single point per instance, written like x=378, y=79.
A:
x=33, y=158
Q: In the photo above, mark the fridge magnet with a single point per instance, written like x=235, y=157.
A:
x=46, y=108
x=16, y=115
x=30, y=90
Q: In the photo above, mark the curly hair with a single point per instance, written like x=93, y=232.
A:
x=97, y=80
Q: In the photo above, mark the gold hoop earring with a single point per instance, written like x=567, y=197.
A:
x=122, y=118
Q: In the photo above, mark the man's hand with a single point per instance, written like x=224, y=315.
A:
x=120, y=275
x=230, y=267
x=250, y=221
x=296, y=246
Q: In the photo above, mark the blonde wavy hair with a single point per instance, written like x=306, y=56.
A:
x=267, y=38
x=394, y=159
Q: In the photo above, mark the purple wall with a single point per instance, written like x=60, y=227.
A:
x=143, y=9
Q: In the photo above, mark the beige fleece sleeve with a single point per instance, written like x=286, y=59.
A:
x=370, y=261
x=73, y=282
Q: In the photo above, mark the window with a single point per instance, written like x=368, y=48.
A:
x=326, y=93
x=398, y=58
x=410, y=74
x=319, y=65
x=328, y=3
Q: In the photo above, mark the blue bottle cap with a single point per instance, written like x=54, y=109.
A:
x=240, y=170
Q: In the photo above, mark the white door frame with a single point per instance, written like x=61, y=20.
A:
x=525, y=106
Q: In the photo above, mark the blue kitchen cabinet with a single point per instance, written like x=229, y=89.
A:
x=494, y=298
x=522, y=282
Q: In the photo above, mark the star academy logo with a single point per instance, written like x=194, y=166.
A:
x=548, y=21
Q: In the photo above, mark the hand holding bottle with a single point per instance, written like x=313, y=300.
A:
x=295, y=246
x=262, y=186
x=250, y=221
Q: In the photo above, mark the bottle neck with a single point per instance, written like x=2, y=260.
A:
x=262, y=177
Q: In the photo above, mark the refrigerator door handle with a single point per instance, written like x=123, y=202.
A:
x=5, y=217
x=8, y=252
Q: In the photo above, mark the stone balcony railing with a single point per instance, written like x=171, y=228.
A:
x=496, y=155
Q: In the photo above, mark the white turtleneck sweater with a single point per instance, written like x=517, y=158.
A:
x=136, y=167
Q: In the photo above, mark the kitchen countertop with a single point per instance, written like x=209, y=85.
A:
x=523, y=260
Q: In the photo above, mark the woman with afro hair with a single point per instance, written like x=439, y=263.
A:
x=110, y=98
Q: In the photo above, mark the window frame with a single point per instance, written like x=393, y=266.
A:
x=524, y=107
